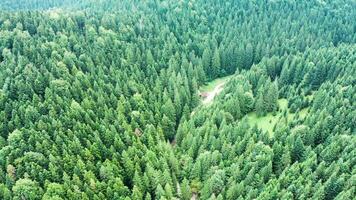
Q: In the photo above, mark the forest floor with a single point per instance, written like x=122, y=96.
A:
x=267, y=123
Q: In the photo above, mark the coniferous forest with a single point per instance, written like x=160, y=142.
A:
x=103, y=99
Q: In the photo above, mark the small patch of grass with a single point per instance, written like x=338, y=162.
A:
x=283, y=104
x=303, y=113
x=266, y=123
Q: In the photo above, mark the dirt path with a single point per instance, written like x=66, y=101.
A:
x=211, y=95
x=194, y=196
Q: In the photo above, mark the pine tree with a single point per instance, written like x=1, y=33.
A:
x=319, y=193
x=169, y=110
x=26, y=189
x=148, y=196
x=248, y=56
x=215, y=64
x=149, y=58
x=298, y=149
x=333, y=186
x=168, y=191
x=54, y=190
x=185, y=190
x=159, y=192
x=206, y=61
x=234, y=191
x=195, y=96
x=168, y=128
x=5, y=193
x=136, y=193
x=272, y=97
x=260, y=106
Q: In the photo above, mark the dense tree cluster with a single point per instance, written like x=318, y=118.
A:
x=99, y=99
x=307, y=158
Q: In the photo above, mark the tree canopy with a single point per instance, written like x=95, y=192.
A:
x=99, y=99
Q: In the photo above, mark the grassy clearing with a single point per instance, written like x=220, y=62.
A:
x=266, y=123
x=211, y=85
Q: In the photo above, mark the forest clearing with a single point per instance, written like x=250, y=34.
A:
x=270, y=120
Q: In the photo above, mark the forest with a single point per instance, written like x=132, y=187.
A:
x=104, y=99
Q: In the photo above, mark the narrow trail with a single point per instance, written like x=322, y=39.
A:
x=194, y=196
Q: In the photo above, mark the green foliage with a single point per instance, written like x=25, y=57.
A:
x=26, y=189
x=99, y=99
x=185, y=190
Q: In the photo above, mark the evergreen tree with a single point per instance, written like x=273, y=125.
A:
x=26, y=189
x=215, y=64
x=206, y=61
x=298, y=149
x=272, y=97
x=260, y=107
x=136, y=193
x=185, y=190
